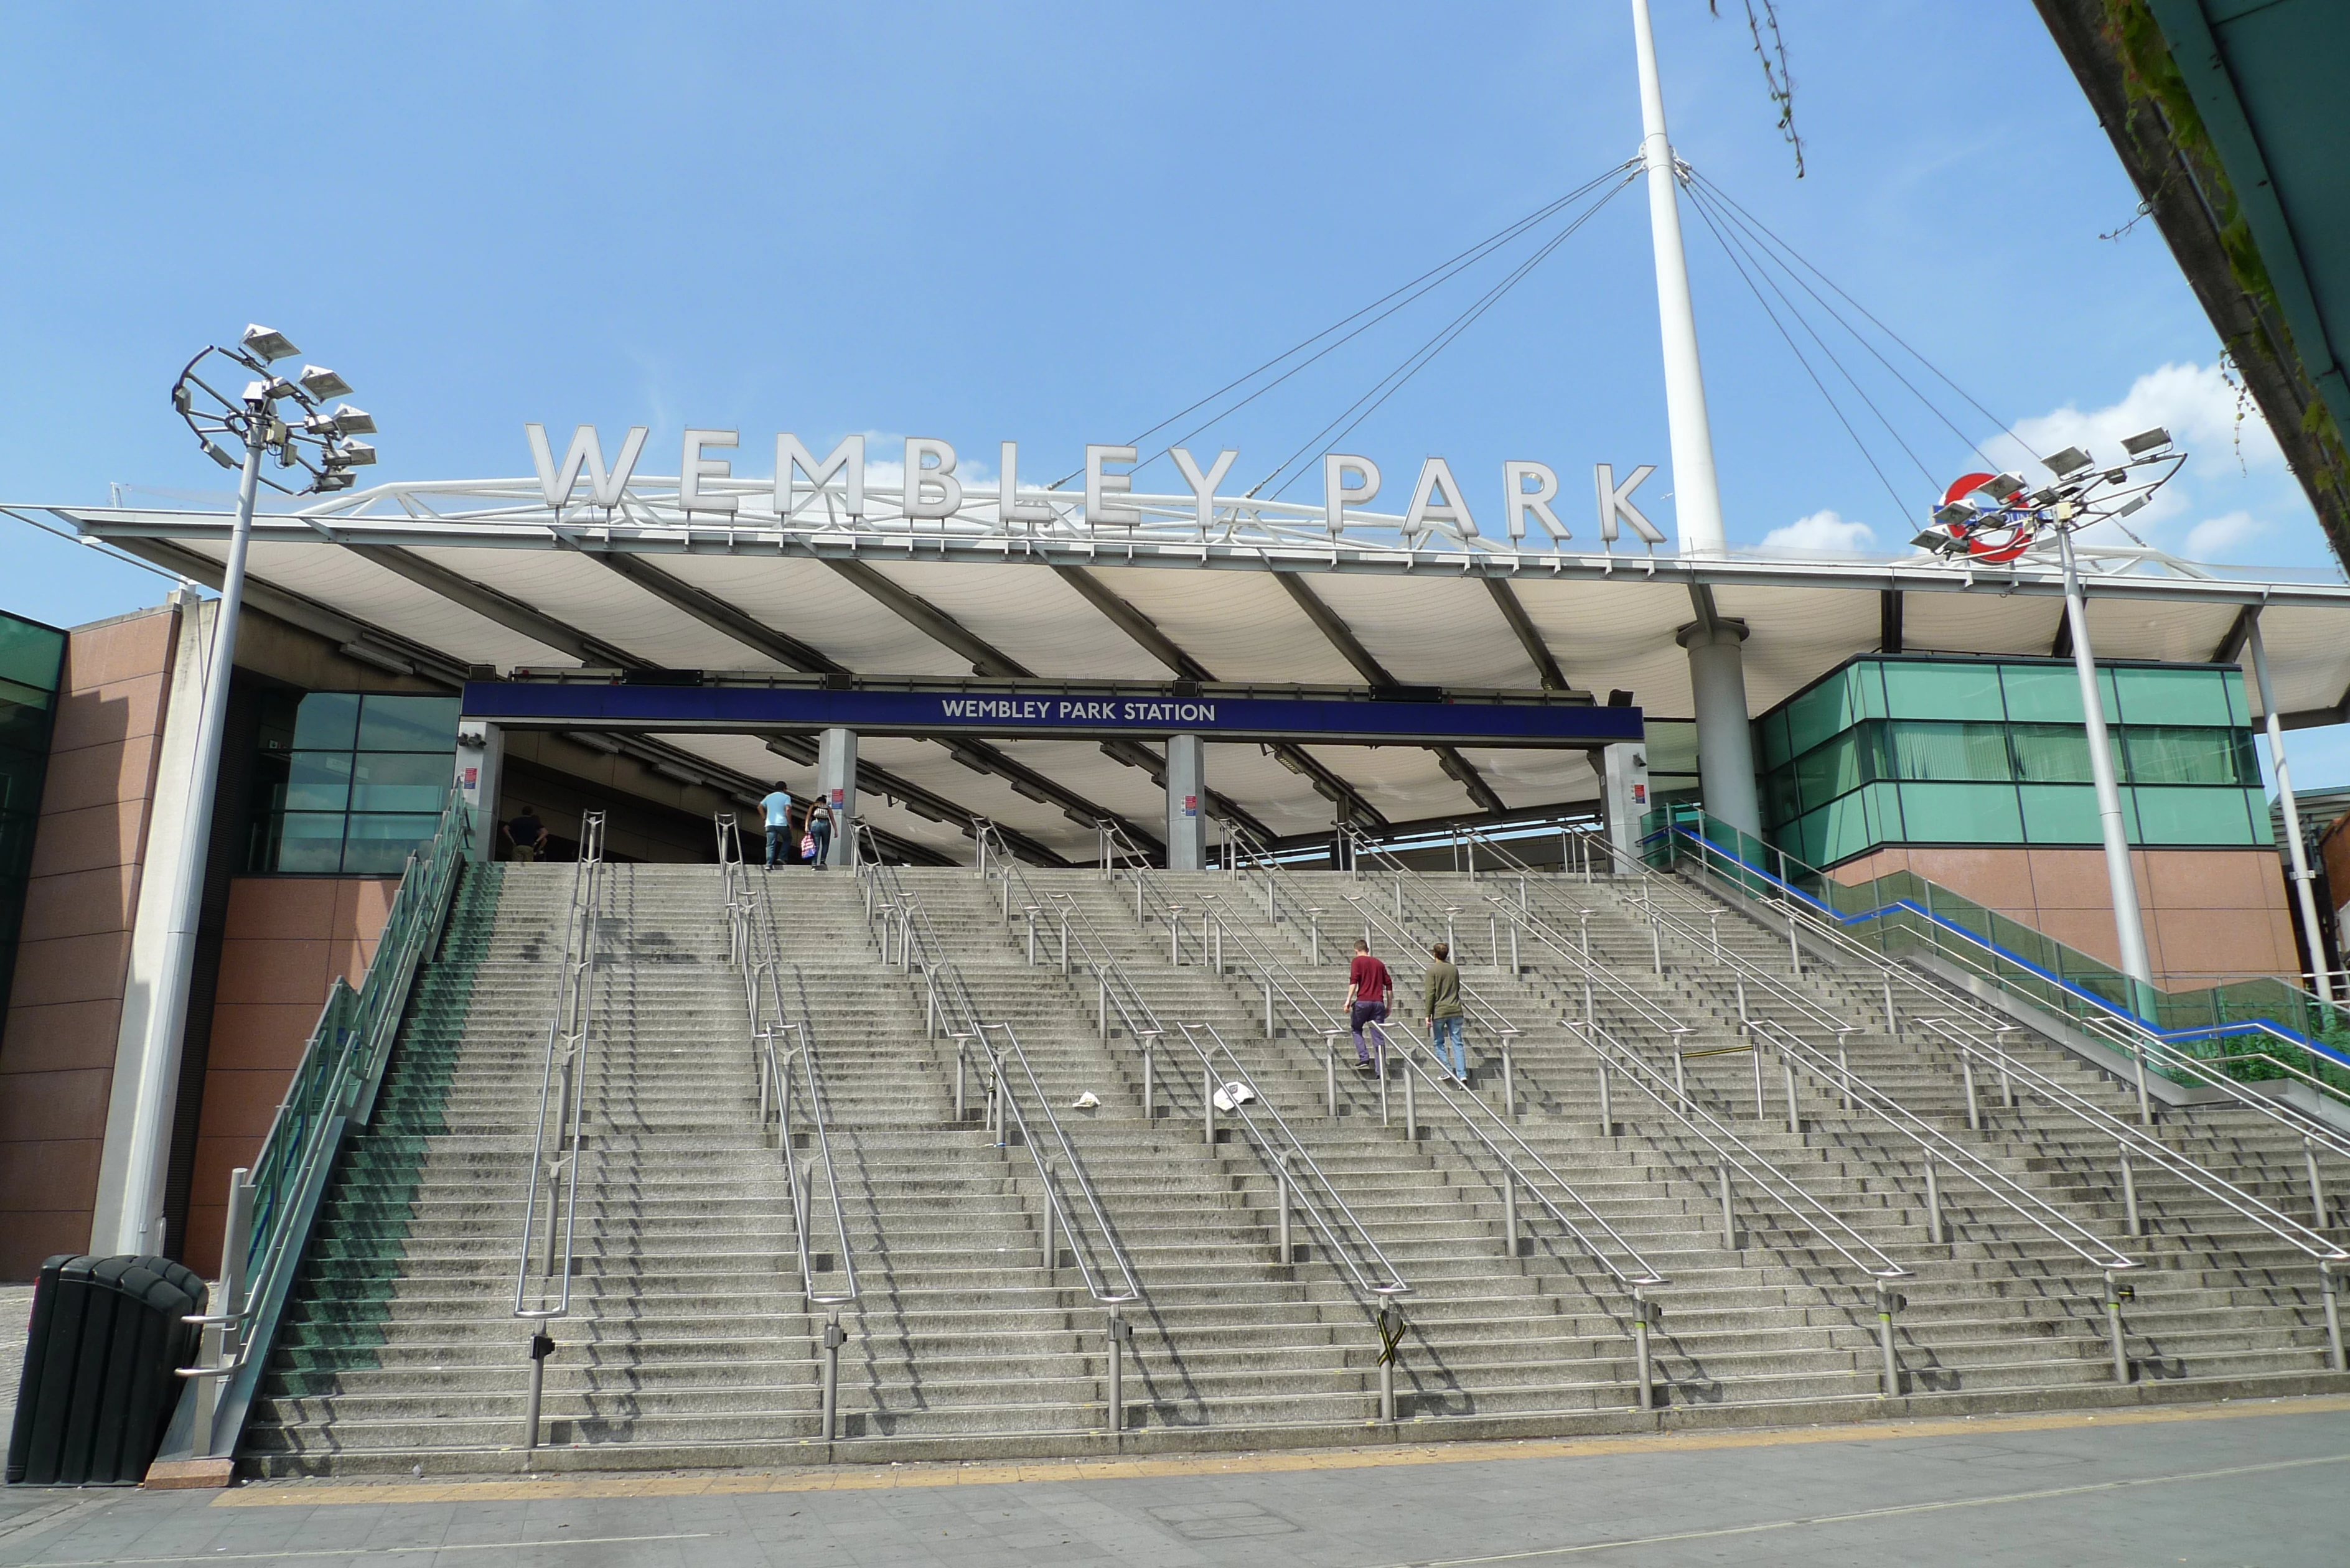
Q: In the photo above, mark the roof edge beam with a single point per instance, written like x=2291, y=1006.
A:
x=719, y=614
x=503, y=609
x=1530, y=638
x=932, y=622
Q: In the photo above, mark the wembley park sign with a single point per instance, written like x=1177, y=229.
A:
x=835, y=491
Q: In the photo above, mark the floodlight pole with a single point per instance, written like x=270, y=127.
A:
x=140, y=1222
x=2304, y=895
x=2130, y=928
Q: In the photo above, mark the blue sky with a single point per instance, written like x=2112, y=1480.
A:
x=1061, y=223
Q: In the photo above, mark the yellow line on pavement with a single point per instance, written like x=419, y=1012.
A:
x=873, y=1478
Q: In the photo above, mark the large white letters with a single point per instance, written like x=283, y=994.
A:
x=848, y=458
x=1203, y=485
x=931, y=464
x=589, y=453
x=1099, y=512
x=692, y=468
x=1435, y=479
x=1008, y=504
x=1616, y=502
x=1520, y=501
x=1337, y=494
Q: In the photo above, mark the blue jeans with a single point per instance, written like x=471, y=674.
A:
x=823, y=837
x=1449, y=1029
x=779, y=846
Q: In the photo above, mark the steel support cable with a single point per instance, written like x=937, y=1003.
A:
x=1900, y=507
x=567, y=1034
x=1444, y=272
x=947, y=983
x=1750, y=220
x=1757, y=1166
x=1119, y=987
x=1419, y=358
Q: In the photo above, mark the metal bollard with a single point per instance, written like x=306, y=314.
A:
x=1386, y=1363
x=832, y=1339
x=2115, y=1293
x=1729, y=1226
x=542, y=1346
x=1888, y=1302
x=1121, y=1332
x=1934, y=1232
x=2129, y=1191
x=1640, y=1349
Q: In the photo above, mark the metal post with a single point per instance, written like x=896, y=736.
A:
x=1268, y=1007
x=1892, y=1020
x=1030, y=913
x=2129, y=1190
x=1287, y=1256
x=1509, y=1073
x=1754, y=1056
x=1934, y=1232
x=1493, y=938
x=1729, y=1227
x=1641, y=1348
x=1386, y=1366
x=961, y=1064
x=2317, y=1186
x=1410, y=1101
x=1174, y=934
x=2303, y=877
x=1655, y=941
x=1794, y=1122
x=2330, y=1287
x=1330, y=1075
x=1884, y=1302
x=1218, y=958
x=1516, y=967
x=1966, y=1071
x=2130, y=931
x=1510, y=1209
x=1843, y=1074
x=1064, y=946
x=833, y=1337
x=542, y=1346
x=1313, y=937
x=1115, y=1416
x=1606, y=1110
x=1681, y=1083
x=1149, y=1078
x=1102, y=1022
x=1052, y=1242
x=2145, y=1104
x=1584, y=917
x=1794, y=949
x=1208, y=1104
x=2114, y=1328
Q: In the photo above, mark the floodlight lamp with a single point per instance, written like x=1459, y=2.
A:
x=2066, y=463
x=2132, y=505
x=323, y=383
x=2000, y=486
x=183, y=398
x=278, y=387
x=354, y=421
x=334, y=480
x=268, y=344
x=2146, y=442
x=212, y=449
x=356, y=454
x=1935, y=539
x=1956, y=513
x=255, y=393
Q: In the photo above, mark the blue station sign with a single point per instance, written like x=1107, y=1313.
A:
x=1074, y=715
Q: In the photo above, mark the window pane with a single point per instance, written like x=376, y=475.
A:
x=2193, y=817
x=2061, y=813
x=400, y=781
x=1780, y=802
x=1770, y=739
x=2168, y=755
x=1951, y=751
x=1943, y=690
x=1815, y=715
x=2173, y=697
x=317, y=781
x=1962, y=813
x=380, y=845
x=1846, y=833
x=1829, y=771
x=1672, y=746
x=408, y=724
x=1868, y=690
x=327, y=721
x=1883, y=805
x=305, y=842
x=2256, y=807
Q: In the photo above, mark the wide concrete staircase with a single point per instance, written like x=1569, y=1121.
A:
x=692, y=1338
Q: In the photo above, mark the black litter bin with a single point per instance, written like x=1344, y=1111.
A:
x=100, y=1365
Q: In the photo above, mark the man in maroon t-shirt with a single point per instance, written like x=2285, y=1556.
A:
x=1367, y=985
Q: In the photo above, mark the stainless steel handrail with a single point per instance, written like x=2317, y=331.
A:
x=947, y=989
x=1119, y=990
x=763, y=999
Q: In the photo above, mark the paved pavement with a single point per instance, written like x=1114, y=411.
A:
x=2248, y=1483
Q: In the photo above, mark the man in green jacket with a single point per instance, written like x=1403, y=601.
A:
x=1440, y=1006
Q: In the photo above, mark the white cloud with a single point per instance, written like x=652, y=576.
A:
x=1822, y=533
x=2193, y=402
x=2214, y=537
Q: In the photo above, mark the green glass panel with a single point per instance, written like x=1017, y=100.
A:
x=1954, y=752
x=2256, y=807
x=2060, y=814
x=1672, y=746
x=1815, y=715
x=1826, y=772
x=1962, y=813
x=2173, y=697
x=407, y=724
x=380, y=845
x=1780, y=802
x=2239, y=711
x=400, y=781
x=1868, y=690
x=1938, y=690
x=30, y=653
x=1881, y=808
x=2042, y=694
x=306, y=842
x=2186, y=815
x=1771, y=738
x=327, y=721
x=1846, y=832
x=317, y=781
x=2169, y=754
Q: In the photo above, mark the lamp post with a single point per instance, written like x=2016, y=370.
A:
x=1991, y=519
x=275, y=417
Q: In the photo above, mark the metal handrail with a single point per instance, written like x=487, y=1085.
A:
x=764, y=1000
x=567, y=1032
x=947, y=989
x=1118, y=989
x=2128, y=1036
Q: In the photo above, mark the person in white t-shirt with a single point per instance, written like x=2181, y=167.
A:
x=778, y=807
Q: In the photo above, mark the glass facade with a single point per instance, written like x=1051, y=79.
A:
x=32, y=661
x=1898, y=750
x=348, y=783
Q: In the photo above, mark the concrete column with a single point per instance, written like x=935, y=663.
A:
x=480, y=760
x=1624, y=795
x=835, y=785
x=1725, y=738
x=1187, y=827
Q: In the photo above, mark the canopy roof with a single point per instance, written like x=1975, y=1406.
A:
x=449, y=579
